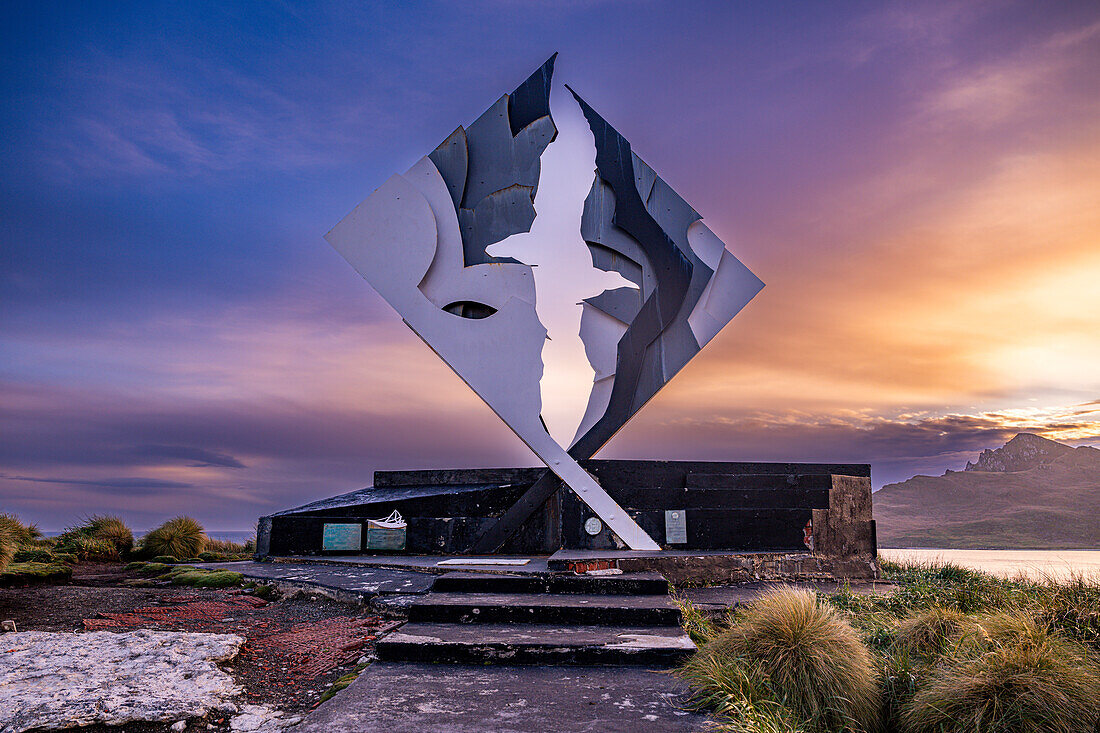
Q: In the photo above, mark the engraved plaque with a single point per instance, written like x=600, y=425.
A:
x=342, y=537
x=593, y=526
x=385, y=538
x=676, y=530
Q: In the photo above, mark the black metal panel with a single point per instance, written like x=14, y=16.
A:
x=531, y=99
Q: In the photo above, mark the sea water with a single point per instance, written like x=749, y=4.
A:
x=1038, y=564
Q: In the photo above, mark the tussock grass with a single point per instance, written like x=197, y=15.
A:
x=226, y=547
x=792, y=659
x=98, y=537
x=951, y=650
x=926, y=634
x=1013, y=676
x=11, y=536
x=178, y=537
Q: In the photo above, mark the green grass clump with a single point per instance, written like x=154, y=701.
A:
x=34, y=554
x=792, y=659
x=1071, y=608
x=1012, y=676
x=178, y=537
x=265, y=591
x=99, y=537
x=698, y=625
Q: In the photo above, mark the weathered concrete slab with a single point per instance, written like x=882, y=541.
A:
x=534, y=608
x=626, y=583
x=365, y=582
x=424, y=698
x=63, y=680
x=661, y=646
x=426, y=563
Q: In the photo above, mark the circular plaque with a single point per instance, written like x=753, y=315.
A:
x=593, y=526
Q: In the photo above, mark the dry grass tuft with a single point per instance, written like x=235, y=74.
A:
x=11, y=534
x=1012, y=677
x=181, y=537
x=99, y=537
x=227, y=547
x=787, y=649
x=926, y=634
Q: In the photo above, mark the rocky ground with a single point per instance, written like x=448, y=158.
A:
x=293, y=648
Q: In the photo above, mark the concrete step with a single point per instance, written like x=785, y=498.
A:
x=532, y=608
x=536, y=644
x=635, y=584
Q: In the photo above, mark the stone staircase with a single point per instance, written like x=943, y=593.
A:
x=562, y=619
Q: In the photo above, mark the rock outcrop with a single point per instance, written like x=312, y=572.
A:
x=1023, y=453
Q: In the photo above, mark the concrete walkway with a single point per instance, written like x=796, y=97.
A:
x=416, y=698
x=354, y=583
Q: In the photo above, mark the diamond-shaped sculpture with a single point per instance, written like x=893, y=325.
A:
x=420, y=240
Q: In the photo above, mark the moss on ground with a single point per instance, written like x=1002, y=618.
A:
x=342, y=683
x=189, y=575
x=29, y=573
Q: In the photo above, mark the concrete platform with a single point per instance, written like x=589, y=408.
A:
x=545, y=609
x=426, y=698
x=536, y=644
x=425, y=563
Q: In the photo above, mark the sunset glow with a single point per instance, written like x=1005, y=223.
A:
x=918, y=185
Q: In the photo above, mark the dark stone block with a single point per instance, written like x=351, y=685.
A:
x=759, y=481
x=658, y=474
x=649, y=498
x=457, y=476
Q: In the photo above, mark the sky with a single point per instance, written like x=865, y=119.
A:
x=917, y=183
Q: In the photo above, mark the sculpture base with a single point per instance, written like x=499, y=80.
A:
x=795, y=520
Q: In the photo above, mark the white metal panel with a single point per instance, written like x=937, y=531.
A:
x=392, y=239
x=729, y=290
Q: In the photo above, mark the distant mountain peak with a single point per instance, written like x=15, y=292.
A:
x=1022, y=453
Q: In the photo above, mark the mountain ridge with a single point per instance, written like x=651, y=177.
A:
x=1030, y=493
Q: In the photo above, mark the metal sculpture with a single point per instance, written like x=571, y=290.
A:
x=420, y=240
